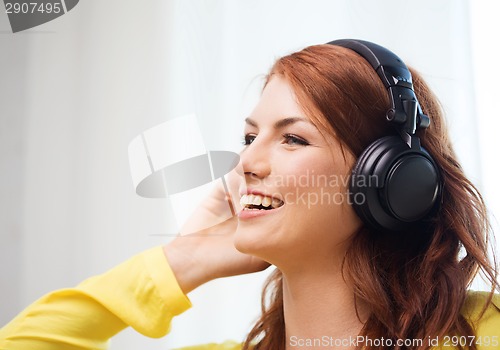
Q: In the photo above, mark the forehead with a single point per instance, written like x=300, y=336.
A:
x=277, y=100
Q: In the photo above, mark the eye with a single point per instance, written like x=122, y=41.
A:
x=248, y=139
x=291, y=139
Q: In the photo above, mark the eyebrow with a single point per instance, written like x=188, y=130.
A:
x=280, y=123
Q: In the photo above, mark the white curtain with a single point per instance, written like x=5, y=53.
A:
x=77, y=90
x=484, y=33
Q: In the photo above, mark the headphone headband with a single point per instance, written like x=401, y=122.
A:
x=405, y=110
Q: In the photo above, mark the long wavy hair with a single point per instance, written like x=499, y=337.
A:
x=416, y=282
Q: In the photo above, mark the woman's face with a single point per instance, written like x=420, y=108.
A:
x=299, y=176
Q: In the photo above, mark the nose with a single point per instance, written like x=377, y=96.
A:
x=255, y=160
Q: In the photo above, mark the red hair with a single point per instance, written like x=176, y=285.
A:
x=414, y=283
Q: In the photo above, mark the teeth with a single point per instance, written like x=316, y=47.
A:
x=266, y=201
x=252, y=199
x=256, y=200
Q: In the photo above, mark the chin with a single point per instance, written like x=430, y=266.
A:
x=249, y=240
x=246, y=241
x=265, y=245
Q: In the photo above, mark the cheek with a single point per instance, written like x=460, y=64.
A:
x=316, y=184
x=319, y=199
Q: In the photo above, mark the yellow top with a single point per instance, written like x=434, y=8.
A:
x=144, y=294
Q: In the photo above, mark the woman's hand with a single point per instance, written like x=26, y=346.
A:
x=207, y=251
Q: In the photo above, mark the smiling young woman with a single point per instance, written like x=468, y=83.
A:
x=409, y=285
x=339, y=281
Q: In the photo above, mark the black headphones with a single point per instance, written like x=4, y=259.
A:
x=395, y=182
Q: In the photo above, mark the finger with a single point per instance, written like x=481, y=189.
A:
x=235, y=182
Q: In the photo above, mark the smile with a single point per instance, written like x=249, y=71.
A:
x=255, y=205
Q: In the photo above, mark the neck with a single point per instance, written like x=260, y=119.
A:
x=319, y=307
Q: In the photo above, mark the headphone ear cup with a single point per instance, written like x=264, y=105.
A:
x=393, y=185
